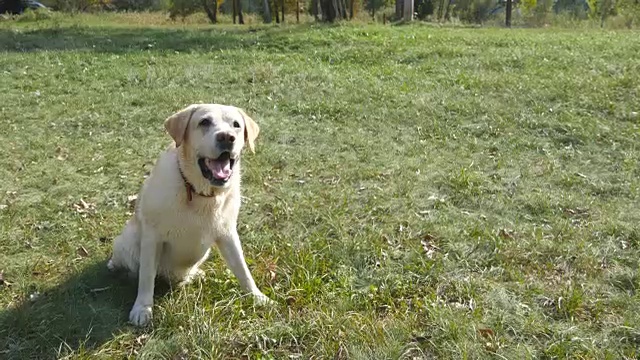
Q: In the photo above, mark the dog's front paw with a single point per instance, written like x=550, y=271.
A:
x=192, y=275
x=140, y=315
x=111, y=265
x=262, y=299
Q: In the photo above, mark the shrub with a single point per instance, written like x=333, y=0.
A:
x=184, y=8
x=34, y=15
x=138, y=5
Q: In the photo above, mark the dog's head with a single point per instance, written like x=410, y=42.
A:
x=213, y=136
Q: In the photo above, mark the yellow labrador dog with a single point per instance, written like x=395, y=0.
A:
x=189, y=202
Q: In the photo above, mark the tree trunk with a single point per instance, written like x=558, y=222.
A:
x=408, y=10
x=603, y=15
x=240, y=18
x=351, y=9
x=282, y=5
x=314, y=9
x=212, y=14
x=508, y=14
x=234, y=10
x=440, y=10
x=373, y=10
x=297, y=11
x=276, y=10
x=447, y=14
x=267, y=12
x=399, y=4
x=329, y=10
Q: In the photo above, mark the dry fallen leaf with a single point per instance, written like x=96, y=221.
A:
x=486, y=333
x=506, y=234
x=61, y=153
x=290, y=300
x=604, y=263
x=83, y=207
x=427, y=244
x=272, y=267
x=81, y=251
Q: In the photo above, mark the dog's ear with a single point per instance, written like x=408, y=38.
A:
x=177, y=123
x=251, y=130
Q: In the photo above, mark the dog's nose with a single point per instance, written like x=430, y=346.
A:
x=225, y=138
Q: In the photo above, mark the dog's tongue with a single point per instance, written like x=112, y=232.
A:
x=221, y=167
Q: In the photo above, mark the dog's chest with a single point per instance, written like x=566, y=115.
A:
x=189, y=236
x=190, y=233
x=194, y=228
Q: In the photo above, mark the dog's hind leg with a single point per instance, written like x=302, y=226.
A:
x=126, y=248
x=187, y=276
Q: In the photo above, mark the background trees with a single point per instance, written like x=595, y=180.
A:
x=529, y=12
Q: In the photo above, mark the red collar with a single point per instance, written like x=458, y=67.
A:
x=190, y=189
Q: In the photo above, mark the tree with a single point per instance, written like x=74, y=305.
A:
x=508, y=14
x=240, y=17
x=333, y=9
x=276, y=11
x=234, y=10
x=212, y=13
x=266, y=12
x=328, y=10
x=447, y=13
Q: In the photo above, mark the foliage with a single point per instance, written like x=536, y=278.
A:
x=82, y=5
x=35, y=15
x=424, y=8
x=473, y=11
x=528, y=5
x=184, y=8
x=140, y=5
x=375, y=5
x=625, y=11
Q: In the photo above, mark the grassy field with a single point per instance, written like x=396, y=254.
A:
x=417, y=192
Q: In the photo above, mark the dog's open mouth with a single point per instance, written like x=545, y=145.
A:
x=217, y=171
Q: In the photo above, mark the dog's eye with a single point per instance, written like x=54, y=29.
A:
x=236, y=124
x=205, y=122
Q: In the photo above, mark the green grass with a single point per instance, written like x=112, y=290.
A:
x=416, y=193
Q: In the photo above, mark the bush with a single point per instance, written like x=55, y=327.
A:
x=424, y=8
x=34, y=15
x=184, y=8
x=138, y=5
x=626, y=14
x=82, y=5
x=474, y=11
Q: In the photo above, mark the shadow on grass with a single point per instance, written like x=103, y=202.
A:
x=126, y=40
x=85, y=311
